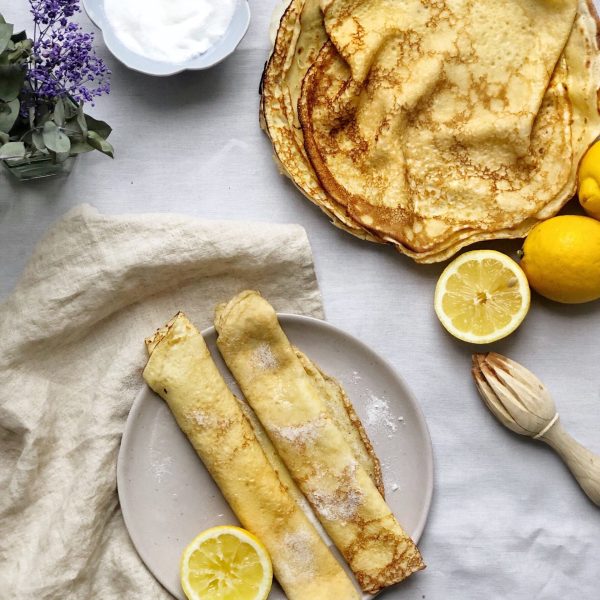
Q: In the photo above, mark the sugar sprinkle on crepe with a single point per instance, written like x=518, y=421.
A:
x=263, y=357
x=305, y=432
x=342, y=503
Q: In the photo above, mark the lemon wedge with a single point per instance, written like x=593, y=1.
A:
x=226, y=563
x=482, y=296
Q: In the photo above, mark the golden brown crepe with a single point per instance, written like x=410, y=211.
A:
x=344, y=416
x=294, y=413
x=181, y=371
x=300, y=37
x=433, y=125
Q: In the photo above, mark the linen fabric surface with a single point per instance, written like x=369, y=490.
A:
x=71, y=355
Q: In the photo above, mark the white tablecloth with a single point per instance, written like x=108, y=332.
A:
x=507, y=520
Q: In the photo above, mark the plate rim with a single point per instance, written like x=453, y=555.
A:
x=282, y=316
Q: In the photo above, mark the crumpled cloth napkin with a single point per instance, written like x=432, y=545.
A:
x=71, y=356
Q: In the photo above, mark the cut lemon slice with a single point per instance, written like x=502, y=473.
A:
x=226, y=563
x=482, y=296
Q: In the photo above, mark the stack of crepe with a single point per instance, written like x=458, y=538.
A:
x=434, y=124
x=297, y=439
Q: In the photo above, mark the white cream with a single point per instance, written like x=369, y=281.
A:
x=172, y=31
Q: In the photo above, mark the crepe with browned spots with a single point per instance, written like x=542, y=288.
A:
x=294, y=413
x=434, y=124
x=259, y=490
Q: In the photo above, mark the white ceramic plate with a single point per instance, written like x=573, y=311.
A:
x=167, y=496
x=220, y=51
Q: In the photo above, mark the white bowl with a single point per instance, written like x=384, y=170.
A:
x=220, y=51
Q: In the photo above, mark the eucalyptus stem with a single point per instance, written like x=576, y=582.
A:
x=60, y=73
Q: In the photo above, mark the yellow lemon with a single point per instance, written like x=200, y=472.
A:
x=561, y=258
x=589, y=181
x=482, y=296
x=226, y=563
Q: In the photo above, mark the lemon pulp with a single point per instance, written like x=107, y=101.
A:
x=482, y=296
x=226, y=563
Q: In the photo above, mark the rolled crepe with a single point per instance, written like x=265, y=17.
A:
x=181, y=371
x=342, y=412
x=294, y=414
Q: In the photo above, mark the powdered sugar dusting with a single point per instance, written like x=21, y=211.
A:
x=306, y=432
x=207, y=420
x=200, y=418
x=263, y=357
x=299, y=560
x=342, y=504
x=334, y=508
x=379, y=413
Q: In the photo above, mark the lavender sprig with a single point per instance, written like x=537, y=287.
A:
x=63, y=59
x=44, y=84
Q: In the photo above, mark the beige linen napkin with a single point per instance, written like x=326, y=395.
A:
x=71, y=355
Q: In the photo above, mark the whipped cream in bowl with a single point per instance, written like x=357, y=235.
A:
x=164, y=37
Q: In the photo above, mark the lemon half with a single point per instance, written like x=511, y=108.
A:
x=482, y=296
x=226, y=563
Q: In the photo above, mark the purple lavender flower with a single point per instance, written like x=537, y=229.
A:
x=48, y=11
x=63, y=61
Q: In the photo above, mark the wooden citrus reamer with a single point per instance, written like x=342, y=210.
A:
x=522, y=403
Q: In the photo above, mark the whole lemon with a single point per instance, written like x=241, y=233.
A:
x=589, y=181
x=561, y=258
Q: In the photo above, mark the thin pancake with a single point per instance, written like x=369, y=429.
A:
x=343, y=414
x=296, y=418
x=456, y=126
x=576, y=72
x=300, y=36
x=181, y=371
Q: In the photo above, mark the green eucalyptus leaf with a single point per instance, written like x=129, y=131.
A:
x=59, y=112
x=12, y=150
x=73, y=130
x=37, y=140
x=55, y=139
x=49, y=127
x=11, y=81
x=70, y=108
x=21, y=46
x=80, y=148
x=102, y=128
x=9, y=113
x=6, y=31
x=14, y=55
x=20, y=49
x=82, y=123
x=2, y=19
x=99, y=143
x=61, y=156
